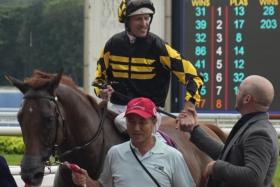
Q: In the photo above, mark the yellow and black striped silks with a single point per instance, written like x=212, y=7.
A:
x=143, y=69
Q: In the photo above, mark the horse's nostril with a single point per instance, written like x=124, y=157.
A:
x=33, y=180
x=25, y=179
x=38, y=175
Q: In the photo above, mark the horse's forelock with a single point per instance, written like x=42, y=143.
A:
x=41, y=74
x=36, y=83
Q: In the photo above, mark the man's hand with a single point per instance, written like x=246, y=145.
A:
x=209, y=169
x=80, y=178
x=106, y=93
x=187, y=119
x=79, y=175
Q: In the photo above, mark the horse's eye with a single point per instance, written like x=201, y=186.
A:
x=50, y=118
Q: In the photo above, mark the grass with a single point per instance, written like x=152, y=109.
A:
x=276, y=178
x=12, y=159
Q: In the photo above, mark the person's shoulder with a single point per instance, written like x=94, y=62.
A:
x=172, y=154
x=262, y=129
x=119, y=147
x=261, y=122
x=157, y=42
x=155, y=38
x=118, y=36
x=169, y=150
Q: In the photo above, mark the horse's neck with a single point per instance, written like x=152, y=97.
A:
x=81, y=118
x=83, y=122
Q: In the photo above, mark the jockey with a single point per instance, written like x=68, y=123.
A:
x=141, y=63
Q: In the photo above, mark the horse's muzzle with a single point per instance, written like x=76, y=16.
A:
x=32, y=170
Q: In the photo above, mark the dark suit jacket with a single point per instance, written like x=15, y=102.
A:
x=6, y=178
x=250, y=158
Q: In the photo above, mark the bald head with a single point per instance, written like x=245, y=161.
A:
x=261, y=90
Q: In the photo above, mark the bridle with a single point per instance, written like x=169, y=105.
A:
x=59, y=115
x=33, y=96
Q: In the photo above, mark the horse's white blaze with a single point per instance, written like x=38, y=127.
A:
x=30, y=109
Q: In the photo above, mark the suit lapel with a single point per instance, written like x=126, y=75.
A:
x=240, y=132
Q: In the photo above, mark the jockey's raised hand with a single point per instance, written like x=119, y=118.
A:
x=187, y=119
x=106, y=93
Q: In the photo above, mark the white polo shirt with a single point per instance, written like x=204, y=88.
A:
x=165, y=163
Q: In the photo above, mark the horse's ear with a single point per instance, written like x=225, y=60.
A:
x=55, y=82
x=17, y=83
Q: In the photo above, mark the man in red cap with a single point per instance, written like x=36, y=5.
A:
x=141, y=119
x=142, y=161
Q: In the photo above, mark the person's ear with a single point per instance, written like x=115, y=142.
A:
x=154, y=119
x=247, y=99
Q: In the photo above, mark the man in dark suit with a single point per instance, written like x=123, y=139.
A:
x=6, y=178
x=249, y=156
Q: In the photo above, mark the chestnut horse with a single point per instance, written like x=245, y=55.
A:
x=57, y=118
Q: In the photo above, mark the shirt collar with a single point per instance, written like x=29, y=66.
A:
x=131, y=38
x=158, y=147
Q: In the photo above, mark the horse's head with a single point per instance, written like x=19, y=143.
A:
x=40, y=120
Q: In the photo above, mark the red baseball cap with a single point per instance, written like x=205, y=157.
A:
x=141, y=106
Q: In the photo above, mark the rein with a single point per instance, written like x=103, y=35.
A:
x=102, y=84
x=158, y=108
x=77, y=148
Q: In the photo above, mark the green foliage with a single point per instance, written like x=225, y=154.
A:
x=276, y=178
x=10, y=21
x=11, y=145
x=13, y=159
x=13, y=3
x=47, y=35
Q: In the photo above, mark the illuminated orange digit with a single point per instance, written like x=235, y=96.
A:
x=201, y=104
x=219, y=103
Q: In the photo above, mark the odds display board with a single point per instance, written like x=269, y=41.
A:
x=227, y=40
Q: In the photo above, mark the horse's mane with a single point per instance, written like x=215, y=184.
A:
x=39, y=79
